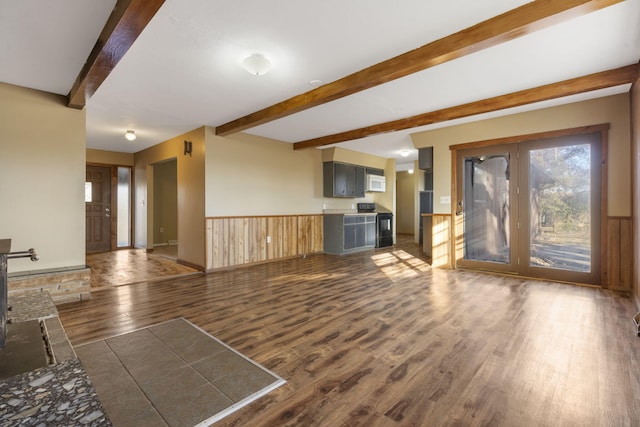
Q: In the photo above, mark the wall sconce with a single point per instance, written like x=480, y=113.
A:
x=188, y=148
x=410, y=171
x=130, y=135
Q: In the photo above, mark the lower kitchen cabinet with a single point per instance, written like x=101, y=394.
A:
x=344, y=233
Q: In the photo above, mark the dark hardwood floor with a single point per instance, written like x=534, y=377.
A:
x=380, y=338
x=129, y=266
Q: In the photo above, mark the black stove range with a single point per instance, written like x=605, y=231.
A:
x=384, y=224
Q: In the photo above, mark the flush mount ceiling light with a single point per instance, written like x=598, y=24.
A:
x=257, y=64
x=130, y=135
x=404, y=153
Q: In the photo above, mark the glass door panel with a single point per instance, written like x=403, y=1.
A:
x=124, y=207
x=560, y=209
x=486, y=203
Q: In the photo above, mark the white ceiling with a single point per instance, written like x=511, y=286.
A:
x=185, y=71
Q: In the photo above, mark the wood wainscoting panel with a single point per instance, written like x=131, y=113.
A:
x=310, y=229
x=437, y=239
x=234, y=241
x=258, y=240
x=283, y=243
x=215, y=243
x=620, y=253
x=289, y=235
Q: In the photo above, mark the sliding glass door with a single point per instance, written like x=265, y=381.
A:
x=532, y=208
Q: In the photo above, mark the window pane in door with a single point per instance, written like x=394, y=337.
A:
x=560, y=207
x=486, y=207
x=124, y=207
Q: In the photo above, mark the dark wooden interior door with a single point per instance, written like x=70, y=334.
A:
x=98, y=234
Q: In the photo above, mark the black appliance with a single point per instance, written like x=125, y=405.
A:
x=384, y=229
x=384, y=224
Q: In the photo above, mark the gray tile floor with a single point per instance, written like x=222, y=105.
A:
x=171, y=374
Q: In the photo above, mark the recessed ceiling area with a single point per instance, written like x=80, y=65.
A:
x=185, y=70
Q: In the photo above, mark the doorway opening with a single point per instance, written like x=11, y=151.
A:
x=108, y=208
x=534, y=207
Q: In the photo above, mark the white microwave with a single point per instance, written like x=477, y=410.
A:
x=376, y=183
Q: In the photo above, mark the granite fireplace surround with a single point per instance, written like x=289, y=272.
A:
x=58, y=392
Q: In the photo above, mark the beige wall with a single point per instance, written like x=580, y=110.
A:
x=248, y=175
x=191, y=195
x=406, y=201
x=165, y=201
x=109, y=157
x=613, y=110
x=42, y=173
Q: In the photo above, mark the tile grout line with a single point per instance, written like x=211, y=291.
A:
x=135, y=381
x=194, y=370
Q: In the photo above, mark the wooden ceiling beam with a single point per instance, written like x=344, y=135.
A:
x=502, y=28
x=126, y=22
x=605, y=79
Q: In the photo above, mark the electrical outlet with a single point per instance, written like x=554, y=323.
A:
x=445, y=200
x=268, y=239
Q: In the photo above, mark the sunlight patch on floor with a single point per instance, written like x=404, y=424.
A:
x=399, y=265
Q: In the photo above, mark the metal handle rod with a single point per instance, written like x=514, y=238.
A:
x=31, y=253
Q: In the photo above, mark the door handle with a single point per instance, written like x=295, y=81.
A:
x=107, y=215
x=460, y=207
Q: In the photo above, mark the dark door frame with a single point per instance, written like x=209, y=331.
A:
x=603, y=129
x=114, y=203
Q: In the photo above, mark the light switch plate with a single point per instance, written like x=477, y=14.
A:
x=445, y=200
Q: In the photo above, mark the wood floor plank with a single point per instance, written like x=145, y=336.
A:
x=380, y=338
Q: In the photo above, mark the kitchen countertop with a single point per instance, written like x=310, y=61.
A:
x=347, y=212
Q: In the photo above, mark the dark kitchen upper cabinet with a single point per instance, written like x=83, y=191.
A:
x=425, y=158
x=374, y=171
x=343, y=180
x=360, y=181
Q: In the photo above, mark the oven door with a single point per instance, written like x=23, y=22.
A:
x=384, y=226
